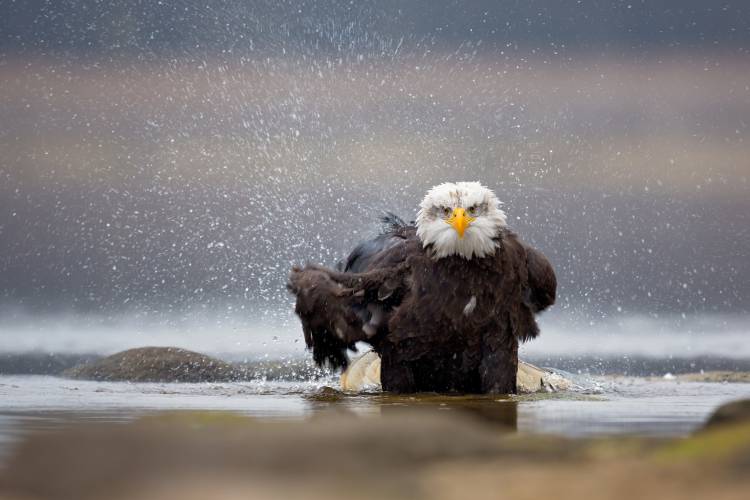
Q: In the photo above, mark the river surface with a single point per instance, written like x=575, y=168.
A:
x=599, y=406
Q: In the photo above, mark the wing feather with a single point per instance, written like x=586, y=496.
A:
x=340, y=308
x=542, y=280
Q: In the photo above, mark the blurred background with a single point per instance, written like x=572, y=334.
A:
x=163, y=164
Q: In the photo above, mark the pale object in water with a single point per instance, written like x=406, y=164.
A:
x=363, y=374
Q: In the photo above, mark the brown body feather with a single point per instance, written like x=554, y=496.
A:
x=414, y=311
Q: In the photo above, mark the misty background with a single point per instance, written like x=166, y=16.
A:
x=164, y=164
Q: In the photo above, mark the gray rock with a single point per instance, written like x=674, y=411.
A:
x=156, y=364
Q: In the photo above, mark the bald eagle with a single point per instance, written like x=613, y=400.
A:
x=444, y=301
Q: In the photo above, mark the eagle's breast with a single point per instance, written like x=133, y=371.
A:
x=460, y=296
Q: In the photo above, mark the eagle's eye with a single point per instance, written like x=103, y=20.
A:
x=446, y=211
x=473, y=210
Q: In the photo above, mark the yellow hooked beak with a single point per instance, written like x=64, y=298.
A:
x=460, y=221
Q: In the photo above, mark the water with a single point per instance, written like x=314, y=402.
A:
x=639, y=350
x=604, y=406
x=236, y=335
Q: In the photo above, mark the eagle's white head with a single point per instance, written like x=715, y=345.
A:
x=461, y=218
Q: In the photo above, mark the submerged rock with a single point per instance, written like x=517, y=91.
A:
x=156, y=364
x=363, y=374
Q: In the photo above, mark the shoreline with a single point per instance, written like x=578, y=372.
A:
x=300, y=367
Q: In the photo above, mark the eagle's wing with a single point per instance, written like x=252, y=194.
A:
x=370, y=254
x=542, y=281
x=341, y=308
